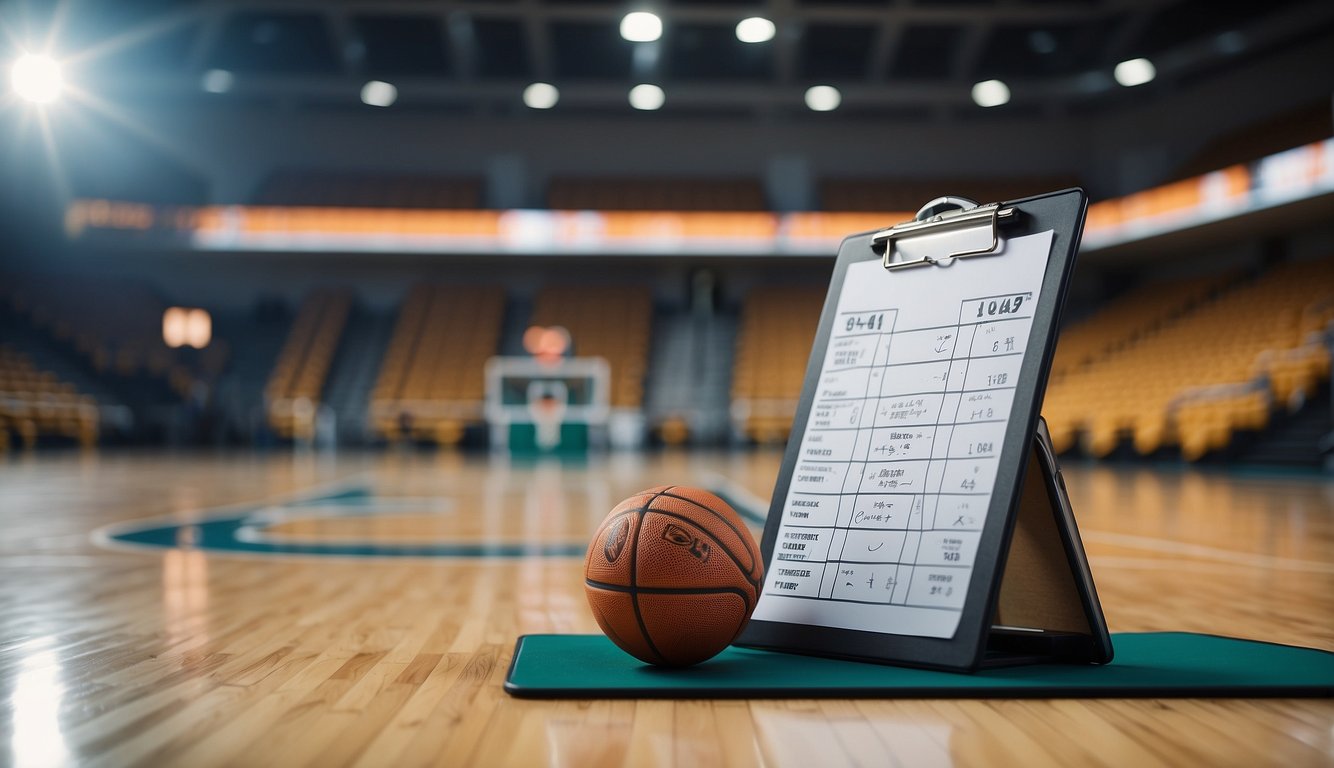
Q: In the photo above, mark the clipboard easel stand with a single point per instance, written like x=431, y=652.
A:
x=1030, y=597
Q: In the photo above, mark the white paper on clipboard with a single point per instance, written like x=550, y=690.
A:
x=893, y=480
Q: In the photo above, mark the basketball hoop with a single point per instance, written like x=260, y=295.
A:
x=559, y=405
x=547, y=409
x=547, y=345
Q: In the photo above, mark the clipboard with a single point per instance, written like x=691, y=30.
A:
x=989, y=569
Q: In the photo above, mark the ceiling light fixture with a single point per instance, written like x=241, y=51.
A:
x=1134, y=72
x=823, y=98
x=647, y=96
x=991, y=93
x=378, y=93
x=541, y=96
x=641, y=27
x=755, y=29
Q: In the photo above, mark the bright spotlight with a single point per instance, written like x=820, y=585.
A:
x=823, y=98
x=217, y=81
x=1134, y=72
x=36, y=78
x=647, y=97
x=378, y=93
x=991, y=93
x=541, y=96
x=641, y=27
x=756, y=29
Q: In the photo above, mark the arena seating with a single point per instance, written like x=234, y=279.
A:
x=431, y=384
x=1217, y=368
x=312, y=188
x=115, y=324
x=639, y=194
x=34, y=403
x=612, y=322
x=1182, y=364
x=1126, y=318
x=773, y=344
x=294, y=387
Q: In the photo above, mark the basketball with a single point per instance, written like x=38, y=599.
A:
x=672, y=575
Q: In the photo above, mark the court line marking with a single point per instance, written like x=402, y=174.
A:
x=255, y=529
x=359, y=481
x=1206, y=552
x=102, y=535
x=105, y=535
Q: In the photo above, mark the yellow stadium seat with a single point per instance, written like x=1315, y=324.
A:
x=1183, y=368
x=774, y=341
x=298, y=376
x=431, y=384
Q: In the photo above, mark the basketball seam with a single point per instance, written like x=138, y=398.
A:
x=741, y=568
x=754, y=559
x=634, y=578
x=632, y=509
x=720, y=590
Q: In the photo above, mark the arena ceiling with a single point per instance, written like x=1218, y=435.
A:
x=884, y=57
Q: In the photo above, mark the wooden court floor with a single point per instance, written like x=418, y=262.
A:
x=277, y=656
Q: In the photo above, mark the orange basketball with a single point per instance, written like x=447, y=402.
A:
x=672, y=575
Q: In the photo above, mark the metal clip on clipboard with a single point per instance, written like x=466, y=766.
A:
x=944, y=214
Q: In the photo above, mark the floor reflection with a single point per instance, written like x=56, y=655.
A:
x=185, y=593
x=824, y=738
x=36, y=740
x=576, y=743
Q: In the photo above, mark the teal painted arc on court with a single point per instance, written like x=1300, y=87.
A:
x=225, y=532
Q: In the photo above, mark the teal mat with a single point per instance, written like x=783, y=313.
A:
x=1154, y=664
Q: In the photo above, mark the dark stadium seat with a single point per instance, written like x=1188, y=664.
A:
x=368, y=190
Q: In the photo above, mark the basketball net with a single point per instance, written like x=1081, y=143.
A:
x=546, y=406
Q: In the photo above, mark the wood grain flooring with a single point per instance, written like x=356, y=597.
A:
x=181, y=657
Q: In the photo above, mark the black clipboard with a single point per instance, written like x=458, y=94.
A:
x=983, y=637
